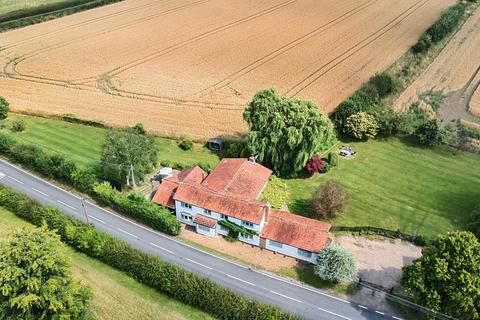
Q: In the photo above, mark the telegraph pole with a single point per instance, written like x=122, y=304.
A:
x=85, y=210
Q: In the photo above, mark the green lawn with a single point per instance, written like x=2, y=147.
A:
x=84, y=143
x=397, y=184
x=115, y=295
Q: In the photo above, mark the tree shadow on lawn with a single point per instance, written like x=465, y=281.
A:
x=459, y=207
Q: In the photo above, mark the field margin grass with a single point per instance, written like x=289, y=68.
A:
x=29, y=16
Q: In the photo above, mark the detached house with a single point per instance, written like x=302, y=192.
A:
x=230, y=192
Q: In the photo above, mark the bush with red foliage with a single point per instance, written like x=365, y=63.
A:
x=315, y=164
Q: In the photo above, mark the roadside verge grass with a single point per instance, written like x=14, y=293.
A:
x=115, y=295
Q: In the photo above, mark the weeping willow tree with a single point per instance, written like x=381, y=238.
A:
x=286, y=132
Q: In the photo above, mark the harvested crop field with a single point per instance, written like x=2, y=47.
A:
x=189, y=67
x=456, y=72
x=475, y=103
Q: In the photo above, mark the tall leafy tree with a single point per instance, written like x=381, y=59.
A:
x=286, y=132
x=447, y=276
x=127, y=153
x=36, y=279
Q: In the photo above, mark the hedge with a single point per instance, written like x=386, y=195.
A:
x=139, y=208
x=183, y=285
x=185, y=165
x=441, y=28
x=415, y=239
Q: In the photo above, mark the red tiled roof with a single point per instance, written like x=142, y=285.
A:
x=193, y=175
x=297, y=231
x=238, y=177
x=168, y=187
x=164, y=194
x=248, y=210
x=205, y=221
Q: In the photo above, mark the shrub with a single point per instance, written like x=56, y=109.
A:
x=83, y=179
x=363, y=100
x=136, y=206
x=178, y=283
x=314, y=164
x=430, y=133
x=423, y=44
x=276, y=192
x=139, y=129
x=385, y=84
x=6, y=143
x=30, y=155
x=336, y=264
x=361, y=125
x=61, y=168
x=236, y=149
x=330, y=198
x=447, y=22
x=185, y=165
x=186, y=144
x=332, y=159
x=18, y=125
x=4, y=108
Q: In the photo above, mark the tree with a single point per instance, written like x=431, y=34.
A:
x=446, y=277
x=330, y=198
x=286, y=132
x=36, y=279
x=430, y=133
x=336, y=264
x=361, y=125
x=125, y=152
x=4, y=108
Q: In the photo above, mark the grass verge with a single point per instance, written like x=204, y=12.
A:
x=43, y=10
x=115, y=295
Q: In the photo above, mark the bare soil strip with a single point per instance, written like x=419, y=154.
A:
x=188, y=67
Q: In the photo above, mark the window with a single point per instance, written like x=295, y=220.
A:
x=224, y=217
x=247, y=224
x=206, y=211
x=203, y=228
x=186, y=216
x=275, y=244
x=304, y=253
x=186, y=205
x=246, y=236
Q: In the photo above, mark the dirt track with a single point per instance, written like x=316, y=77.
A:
x=189, y=67
x=475, y=103
x=456, y=72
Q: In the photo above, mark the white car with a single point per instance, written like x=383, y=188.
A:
x=347, y=152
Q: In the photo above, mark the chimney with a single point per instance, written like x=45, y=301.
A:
x=252, y=158
x=267, y=211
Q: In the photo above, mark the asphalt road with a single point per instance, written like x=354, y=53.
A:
x=255, y=284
